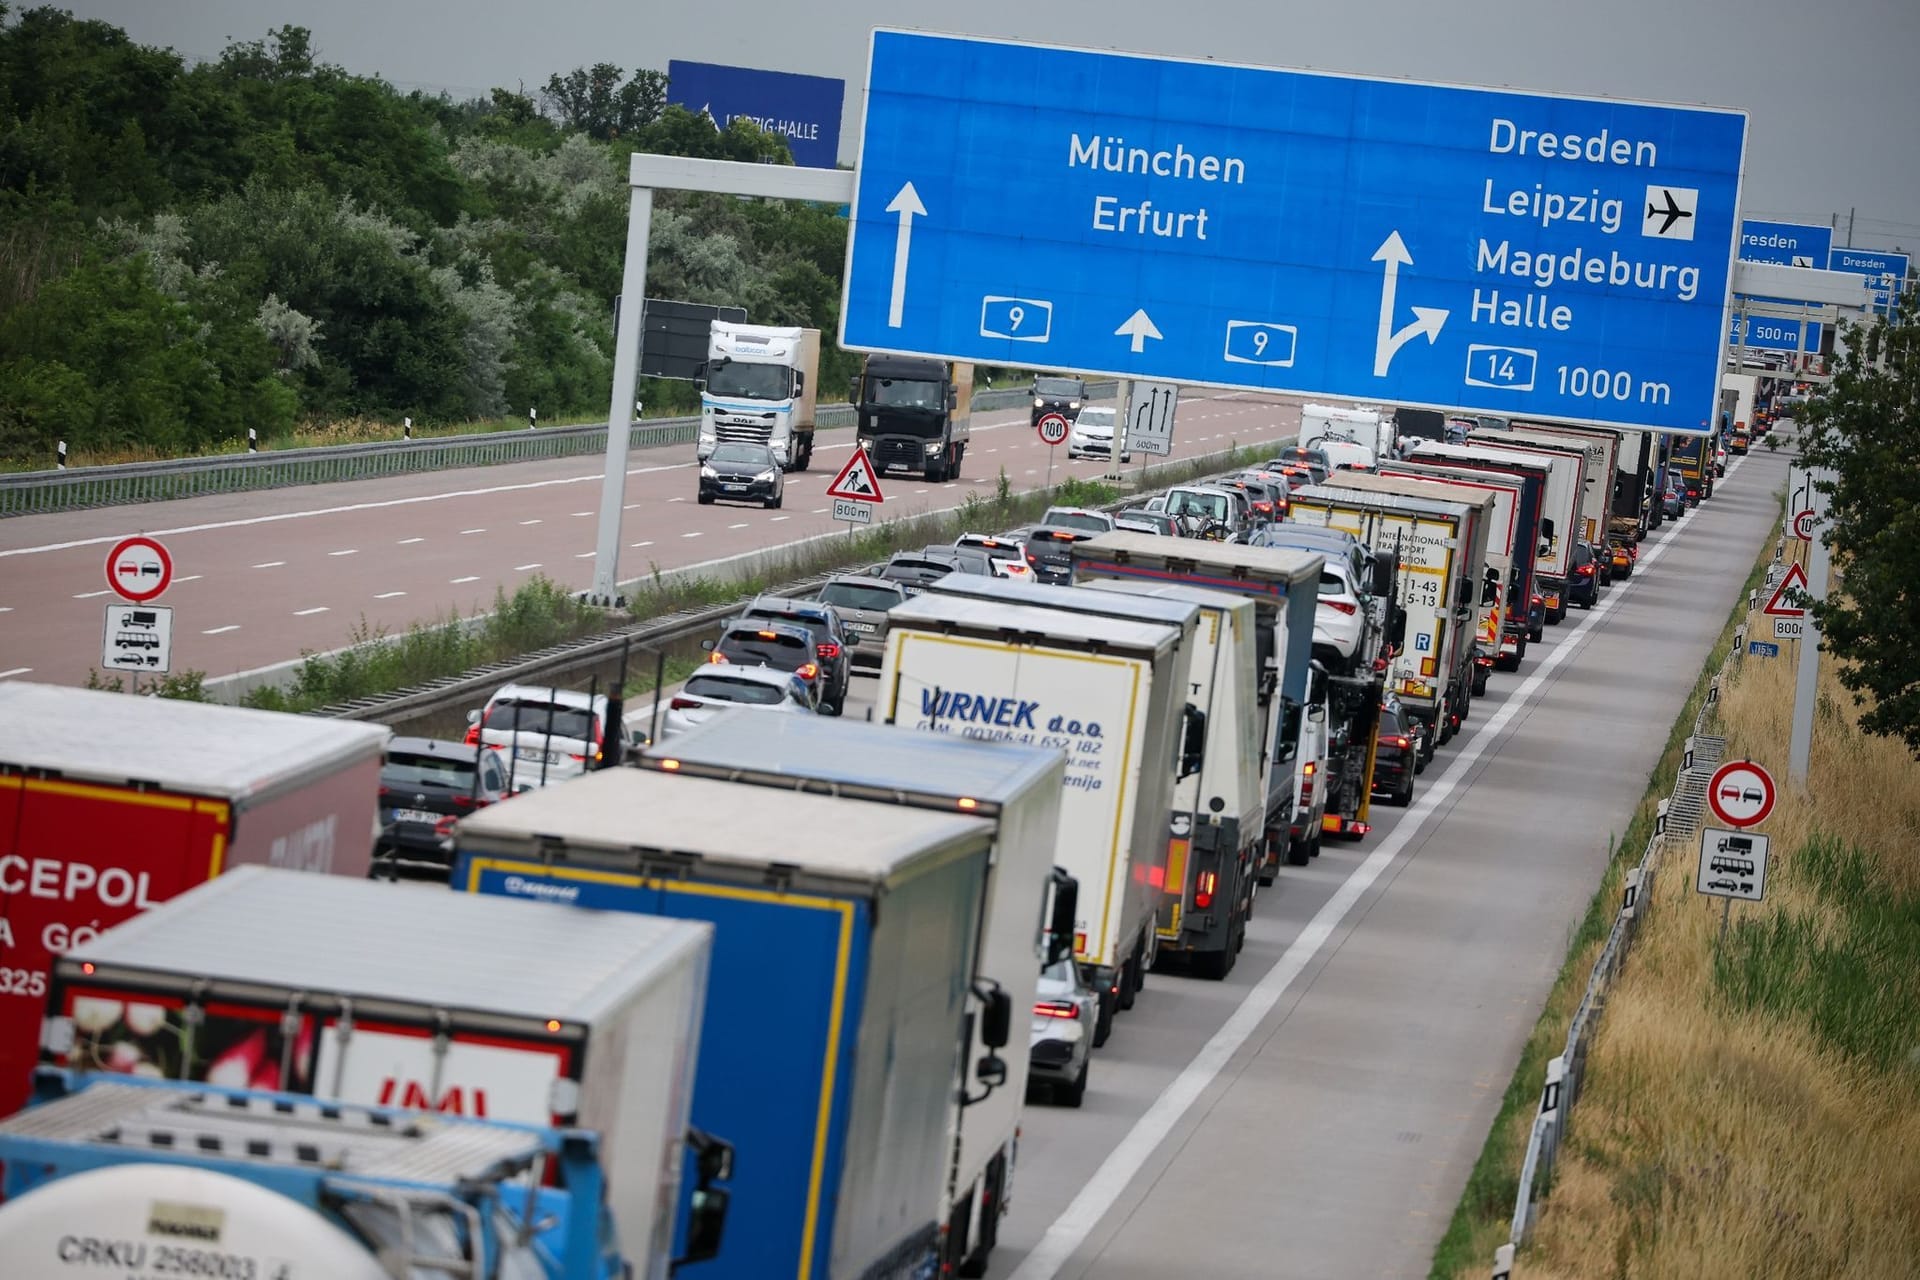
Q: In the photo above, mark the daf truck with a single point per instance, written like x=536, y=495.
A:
x=1018, y=791
x=914, y=415
x=401, y=994
x=111, y=805
x=759, y=386
x=1109, y=693
x=131, y=1177
x=834, y=1041
x=1441, y=538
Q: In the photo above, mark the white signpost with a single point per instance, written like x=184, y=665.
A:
x=1733, y=865
x=138, y=637
x=1149, y=425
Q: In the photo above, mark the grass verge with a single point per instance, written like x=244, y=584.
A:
x=1481, y=1219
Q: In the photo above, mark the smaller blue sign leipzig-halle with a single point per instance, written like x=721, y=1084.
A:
x=804, y=110
x=1203, y=223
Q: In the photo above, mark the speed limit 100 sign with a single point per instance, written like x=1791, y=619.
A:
x=1741, y=794
x=1053, y=428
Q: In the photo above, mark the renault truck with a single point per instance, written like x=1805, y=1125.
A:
x=1030, y=907
x=759, y=386
x=835, y=1037
x=1110, y=694
x=914, y=415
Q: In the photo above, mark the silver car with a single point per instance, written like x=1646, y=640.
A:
x=863, y=603
x=1060, y=1041
x=716, y=687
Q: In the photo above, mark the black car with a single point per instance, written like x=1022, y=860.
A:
x=1396, y=758
x=833, y=642
x=1050, y=552
x=427, y=784
x=742, y=473
x=1063, y=396
x=784, y=646
x=1583, y=581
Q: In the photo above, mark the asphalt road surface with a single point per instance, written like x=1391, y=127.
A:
x=263, y=577
x=1317, y=1113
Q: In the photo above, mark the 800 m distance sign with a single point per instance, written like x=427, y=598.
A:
x=1201, y=223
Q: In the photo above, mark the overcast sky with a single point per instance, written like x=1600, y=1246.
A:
x=1833, y=88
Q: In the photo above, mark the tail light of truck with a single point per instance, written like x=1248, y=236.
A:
x=1057, y=1009
x=1203, y=891
x=828, y=652
x=1342, y=606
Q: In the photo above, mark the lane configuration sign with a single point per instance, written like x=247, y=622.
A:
x=1277, y=230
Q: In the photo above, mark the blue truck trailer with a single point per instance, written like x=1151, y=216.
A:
x=835, y=1041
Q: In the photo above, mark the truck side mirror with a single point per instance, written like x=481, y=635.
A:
x=799, y=383
x=1490, y=588
x=853, y=390
x=706, y=1224
x=996, y=1015
x=953, y=399
x=1066, y=914
x=1193, y=741
x=1546, y=532
x=1396, y=625
x=1318, y=711
x=1464, y=596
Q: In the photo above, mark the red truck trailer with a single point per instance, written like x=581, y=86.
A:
x=111, y=803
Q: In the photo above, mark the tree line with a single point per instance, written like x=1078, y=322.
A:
x=265, y=240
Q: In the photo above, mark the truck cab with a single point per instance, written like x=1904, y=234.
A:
x=914, y=415
x=758, y=387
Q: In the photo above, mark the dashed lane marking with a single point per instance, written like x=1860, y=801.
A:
x=302, y=613
x=407, y=542
x=350, y=551
x=522, y=568
x=389, y=595
x=14, y=671
x=220, y=631
x=270, y=564
x=472, y=577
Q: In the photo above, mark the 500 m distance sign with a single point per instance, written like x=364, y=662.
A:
x=1372, y=239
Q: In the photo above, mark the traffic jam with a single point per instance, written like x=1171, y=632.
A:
x=1067, y=756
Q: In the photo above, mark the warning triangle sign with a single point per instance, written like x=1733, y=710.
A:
x=1777, y=604
x=856, y=481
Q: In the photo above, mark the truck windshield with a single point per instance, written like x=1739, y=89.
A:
x=905, y=393
x=747, y=381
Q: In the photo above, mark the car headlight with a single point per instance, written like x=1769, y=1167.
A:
x=708, y=473
x=933, y=446
x=1038, y=403
x=1074, y=405
x=765, y=475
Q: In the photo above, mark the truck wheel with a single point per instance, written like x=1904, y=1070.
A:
x=1129, y=984
x=959, y=456
x=1298, y=852
x=1141, y=963
x=937, y=472
x=1068, y=1095
x=1214, y=965
x=1534, y=633
x=1313, y=844
x=806, y=457
x=1103, y=1019
x=1480, y=682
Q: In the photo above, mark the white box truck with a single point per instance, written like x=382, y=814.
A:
x=1355, y=437
x=759, y=386
x=1559, y=514
x=1216, y=837
x=1512, y=539
x=1602, y=451
x=1108, y=693
x=1017, y=789
x=366, y=992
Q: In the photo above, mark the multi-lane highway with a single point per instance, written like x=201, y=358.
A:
x=262, y=577
x=1317, y=1113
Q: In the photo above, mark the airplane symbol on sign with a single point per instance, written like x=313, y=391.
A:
x=1673, y=212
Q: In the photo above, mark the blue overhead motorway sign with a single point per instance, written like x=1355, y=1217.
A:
x=1383, y=240
x=1791, y=244
x=804, y=110
x=1886, y=273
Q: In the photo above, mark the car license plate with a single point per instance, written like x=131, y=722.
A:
x=415, y=815
x=733, y=488
x=1553, y=602
x=535, y=754
x=864, y=628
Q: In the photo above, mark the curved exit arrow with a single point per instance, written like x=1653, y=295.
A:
x=1426, y=320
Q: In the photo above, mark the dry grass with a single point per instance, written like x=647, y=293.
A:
x=1752, y=1109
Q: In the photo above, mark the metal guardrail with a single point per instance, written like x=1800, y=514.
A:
x=1676, y=826
x=121, y=484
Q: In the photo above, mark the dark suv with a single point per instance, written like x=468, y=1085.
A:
x=832, y=641
x=426, y=784
x=1050, y=552
x=784, y=646
x=1063, y=396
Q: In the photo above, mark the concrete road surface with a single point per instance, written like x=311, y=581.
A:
x=263, y=577
x=1317, y=1113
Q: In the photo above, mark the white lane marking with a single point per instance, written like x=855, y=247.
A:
x=578, y=514
x=775, y=520
x=302, y=613
x=1070, y=1230
x=464, y=532
x=741, y=525
x=389, y=595
x=88, y=595
x=14, y=671
x=269, y=564
x=630, y=506
x=522, y=568
x=676, y=499
x=350, y=551
x=275, y=518
x=472, y=577
x=533, y=521
x=919, y=490
x=6, y=608
x=585, y=555
x=192, y=577
x=694, y=534
x=818, y=511
x=220, y=631
x=637, y=545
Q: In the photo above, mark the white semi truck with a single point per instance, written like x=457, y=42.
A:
x=758, y=387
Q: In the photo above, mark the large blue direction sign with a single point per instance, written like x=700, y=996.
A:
x=1195, y=222
x=1885, y=272
x=1791, y=244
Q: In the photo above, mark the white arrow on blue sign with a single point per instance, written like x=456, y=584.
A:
x=1203, y=223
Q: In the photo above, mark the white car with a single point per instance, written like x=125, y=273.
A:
x=1092, y=435
x=1060, y=1038
x=545, y=735
x=1008, y=556
x=714, y=688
